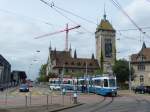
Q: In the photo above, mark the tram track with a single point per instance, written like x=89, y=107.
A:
x=140, y=102
x=95, y=106
x=97, y=103
x=103, y=104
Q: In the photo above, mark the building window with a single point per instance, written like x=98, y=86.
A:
x=66, y=70
x=108, y=48
x=72, y=63
x=90, y=64
x=79, y=63
x=60, y=70
x=141, y=67
x=84, y=64
x=66, y=63
x=141, y=79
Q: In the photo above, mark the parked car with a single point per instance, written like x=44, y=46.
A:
x=147, y=89
x=54, y=87
x=24, y=88
x=140, y=89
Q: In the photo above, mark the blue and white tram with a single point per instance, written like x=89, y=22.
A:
x=103, y=85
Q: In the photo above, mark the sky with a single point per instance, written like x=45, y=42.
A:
x=23, y=20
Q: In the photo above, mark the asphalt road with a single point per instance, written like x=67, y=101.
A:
x=92, y=103
x=135, y=103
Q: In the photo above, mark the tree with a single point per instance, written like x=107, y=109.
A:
x=102, y=62
x=121, y=70
x=42, y=74
x=98, y=72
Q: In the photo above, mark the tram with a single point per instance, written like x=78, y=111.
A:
x=103, y=85
x=57, y=84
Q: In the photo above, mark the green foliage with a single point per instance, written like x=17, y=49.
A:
x=98, y=72
x=42, y=74
x=42, y=78
x=102, y=62
x=43, y=69
x=121, y=70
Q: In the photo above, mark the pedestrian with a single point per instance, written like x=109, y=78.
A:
x=82, y=88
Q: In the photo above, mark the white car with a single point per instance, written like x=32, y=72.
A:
x=54, y=87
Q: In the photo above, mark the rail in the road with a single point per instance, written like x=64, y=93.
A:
x=104, y=103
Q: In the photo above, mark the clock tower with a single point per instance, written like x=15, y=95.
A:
x=105, y=36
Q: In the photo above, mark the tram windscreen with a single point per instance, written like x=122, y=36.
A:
x=105, y=83
x=112, y=83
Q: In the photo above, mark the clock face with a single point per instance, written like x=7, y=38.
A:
x=108, y=48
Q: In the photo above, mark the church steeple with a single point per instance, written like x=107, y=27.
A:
x=50, y=48
x=104, y=13
x=75, y=54
x=144, y=45
x=70, y=49
x=93, y=56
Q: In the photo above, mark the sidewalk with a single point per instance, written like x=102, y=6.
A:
x=125, y=93
x=44, y=108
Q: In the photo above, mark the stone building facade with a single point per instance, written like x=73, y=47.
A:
x=105, y=36
x=5, y=71
x=63, y=60
x=141, y=65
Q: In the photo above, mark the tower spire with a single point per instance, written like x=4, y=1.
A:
x=50, y=46
x=104, y=12
x=75, y=54
x=144, y=45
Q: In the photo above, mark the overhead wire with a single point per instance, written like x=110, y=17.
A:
x=58, y=11
x=69, y=12
x=132, y=38
x=27, y=17
x=72, y=21
x=89, y=21
x=117, y=4
x=133, y=29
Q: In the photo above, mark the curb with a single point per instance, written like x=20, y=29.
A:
x=68, y=107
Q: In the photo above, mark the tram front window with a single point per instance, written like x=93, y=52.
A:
x=112, y=83
x=105, y=83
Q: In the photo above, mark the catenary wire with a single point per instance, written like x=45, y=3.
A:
x=116, y=4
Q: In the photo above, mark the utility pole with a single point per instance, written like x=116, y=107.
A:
x=129, y=74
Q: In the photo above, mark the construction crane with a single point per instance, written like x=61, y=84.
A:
x=64, y=30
